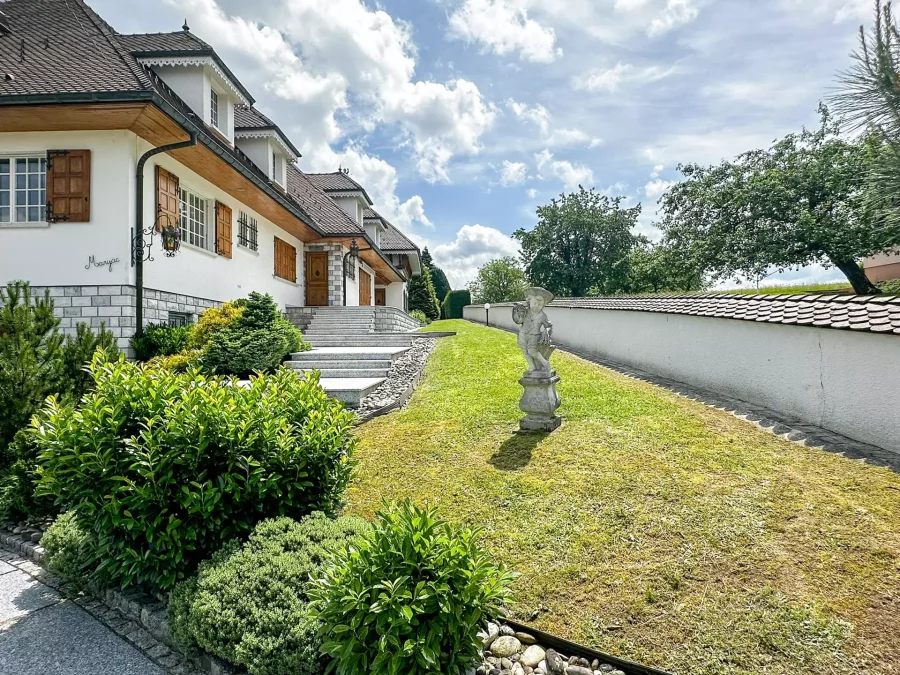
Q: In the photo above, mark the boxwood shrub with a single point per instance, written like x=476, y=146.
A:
x=166, y=467
x=410, y=598
x=69, y=549
x=249, y=604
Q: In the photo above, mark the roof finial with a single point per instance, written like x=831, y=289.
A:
x=185, y=27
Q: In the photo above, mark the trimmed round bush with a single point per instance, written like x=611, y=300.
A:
x=409, y=598
x=257, y=341
x=165, y=467
x=160, y=339
x=69, y=548
x=248, y=604
x=454, y=303
x=214, y=319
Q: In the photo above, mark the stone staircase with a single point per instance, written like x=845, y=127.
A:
x=351, y=357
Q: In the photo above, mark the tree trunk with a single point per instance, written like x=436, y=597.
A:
x=857, y=277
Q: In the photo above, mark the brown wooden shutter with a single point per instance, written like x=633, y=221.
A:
x=285, y=260
x=167, y=198
x=69, y=186
x=223, y=230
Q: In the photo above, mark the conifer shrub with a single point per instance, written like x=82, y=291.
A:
x=258, y=341
x=165, y=468
x=249, y=605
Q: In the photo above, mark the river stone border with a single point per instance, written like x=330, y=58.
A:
x=138, y=618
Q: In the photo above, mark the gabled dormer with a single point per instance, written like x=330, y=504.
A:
x=262, y=141
x=346, y=192
x=193, y=70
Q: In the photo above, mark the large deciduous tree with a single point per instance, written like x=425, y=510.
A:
x=580, y=244
x=500, y=280
x=657, y=268
x=796, y=203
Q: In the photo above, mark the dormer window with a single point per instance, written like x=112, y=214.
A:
x=214, y=108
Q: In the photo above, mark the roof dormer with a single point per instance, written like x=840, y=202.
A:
x=193, y=70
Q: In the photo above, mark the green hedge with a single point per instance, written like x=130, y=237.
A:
x=166, y=467
x=454, y=303
x=249, y=605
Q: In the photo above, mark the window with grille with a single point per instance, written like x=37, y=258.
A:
x=350, y=267
x=194, y=220
x=247, y=232
x=285, y=260
x=179, y=319
x=214, y=108
x=23, y=189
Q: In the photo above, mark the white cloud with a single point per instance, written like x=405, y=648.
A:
x=503, y=28
x=655, y=188
x=536, y=113
x=569, y=174
x=676, y=13
x=658, y=169
x=513, y=173
x=348, y=50
x=532, y=193
x=554, y=138
x=612, y=79
x=841, y=10
x=474, y=246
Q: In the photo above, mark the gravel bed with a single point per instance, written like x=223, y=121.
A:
x=402, y=372
x=507, y=652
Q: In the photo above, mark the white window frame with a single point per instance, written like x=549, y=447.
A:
x=276, y=168
x=11, y=191
x=214, y=107
x=190, y=204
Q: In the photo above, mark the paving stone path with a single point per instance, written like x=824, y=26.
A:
x=43, y=632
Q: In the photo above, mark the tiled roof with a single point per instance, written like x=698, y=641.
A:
x=393, y=239
x=873, y=313
x=246, y=117
x=330, y=217
x=179, y=41
x=249, y=118
x=337, y=182
x=370, y=214
x=60, y=47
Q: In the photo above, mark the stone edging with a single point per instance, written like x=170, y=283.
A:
x=137, y=618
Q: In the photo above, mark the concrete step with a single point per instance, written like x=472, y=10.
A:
x=327, y=332
x=355, y=341
x=344, y=372
x=358, y=353
x=380, y=363
x=350, y=390
x=342, y=319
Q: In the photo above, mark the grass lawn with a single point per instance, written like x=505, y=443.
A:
x=650, y=526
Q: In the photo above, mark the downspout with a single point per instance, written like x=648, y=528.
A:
x=344, y=272
x=138, y=247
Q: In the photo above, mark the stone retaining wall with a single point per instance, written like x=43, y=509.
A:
x=114, y=307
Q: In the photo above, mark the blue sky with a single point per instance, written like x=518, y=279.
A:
x=461, y=116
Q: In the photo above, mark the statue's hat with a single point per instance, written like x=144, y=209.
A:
x=539, y=292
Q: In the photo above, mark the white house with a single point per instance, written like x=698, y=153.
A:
x=87, y=118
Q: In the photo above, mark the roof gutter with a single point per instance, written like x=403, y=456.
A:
x=184, y=121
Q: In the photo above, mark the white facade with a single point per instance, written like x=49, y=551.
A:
x=844, y=381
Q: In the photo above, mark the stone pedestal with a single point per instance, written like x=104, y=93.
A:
x=540, y=402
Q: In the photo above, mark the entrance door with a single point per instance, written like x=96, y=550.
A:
x=365, y=289
x=380, y=298
x=317, y=279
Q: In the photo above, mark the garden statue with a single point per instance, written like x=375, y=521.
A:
x=540, y=399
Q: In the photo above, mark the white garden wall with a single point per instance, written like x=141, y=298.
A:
x=843, y=381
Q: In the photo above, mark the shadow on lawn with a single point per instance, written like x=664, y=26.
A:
x=515, y=452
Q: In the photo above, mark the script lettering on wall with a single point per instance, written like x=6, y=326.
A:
x=93, y=262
